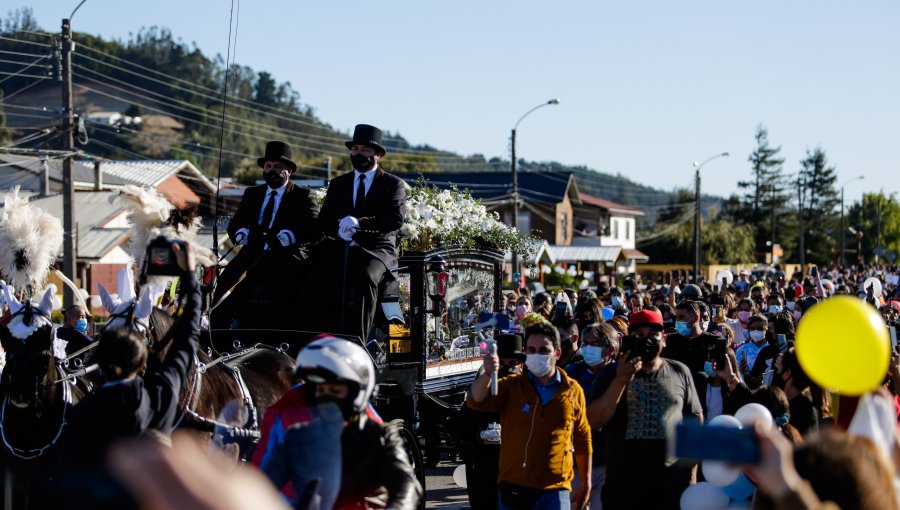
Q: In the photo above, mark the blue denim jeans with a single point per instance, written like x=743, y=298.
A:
x=550, y=500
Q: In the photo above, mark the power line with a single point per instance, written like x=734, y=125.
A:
x=23, y=41
x=20, y=70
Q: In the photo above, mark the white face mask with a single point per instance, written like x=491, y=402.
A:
x=539, y=364
x=704, y=325
x=757, y=336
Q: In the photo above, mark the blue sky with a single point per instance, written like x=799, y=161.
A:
x=646, y=87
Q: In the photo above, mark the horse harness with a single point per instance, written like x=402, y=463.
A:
x=68, y=401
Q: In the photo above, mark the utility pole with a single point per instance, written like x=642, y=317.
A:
x=68, y=141
x=515, y=218
x=800, y=185
x=773, y=223
x=328, y=169
x=697, y=226
x=843, y=227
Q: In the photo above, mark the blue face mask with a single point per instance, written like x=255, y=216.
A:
x=682, y=328
x=616, y=301
x=592, y=355
x=81, y=325
x=708, y=369
x=773, y=309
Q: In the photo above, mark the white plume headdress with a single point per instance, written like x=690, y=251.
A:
x=151, y=215
x=30, y=239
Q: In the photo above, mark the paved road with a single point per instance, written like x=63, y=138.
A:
x=440, y=491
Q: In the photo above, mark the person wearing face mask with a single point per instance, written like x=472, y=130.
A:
x=362, y=212
x=480, y=453
x=568, y=340
x=797, y=386
x=638, y=401
x=775, y=304
x=324, y=427
x=271, y=220
x=749, y=354
x=600, y=345
x=615, y=298
x=588, y=311
x=76, y=331
x=738, y=324
x=690, y=344
x=543, y=419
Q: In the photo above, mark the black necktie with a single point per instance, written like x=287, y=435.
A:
x=268, y=211
x=360, y=193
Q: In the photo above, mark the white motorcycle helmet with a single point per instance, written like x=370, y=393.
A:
x=335, y=360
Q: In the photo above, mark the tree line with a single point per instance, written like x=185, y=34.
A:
x=775, y=207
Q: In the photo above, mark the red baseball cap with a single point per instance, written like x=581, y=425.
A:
x=645, y=318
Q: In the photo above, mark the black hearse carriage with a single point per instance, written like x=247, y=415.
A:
x=428, y=337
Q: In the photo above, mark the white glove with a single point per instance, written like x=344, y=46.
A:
x=241, y=236
x=349, y=222
x=285, y=237
x=347, y=228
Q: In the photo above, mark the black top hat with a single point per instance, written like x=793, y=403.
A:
x=365, y=134
x=510, y=346
x=278, y=151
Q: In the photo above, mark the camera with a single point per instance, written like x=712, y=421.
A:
x=160, y=259
x=491, y=435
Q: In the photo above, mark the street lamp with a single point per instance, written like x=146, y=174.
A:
x=515, y=181
x=843, y=228
x=698, y=166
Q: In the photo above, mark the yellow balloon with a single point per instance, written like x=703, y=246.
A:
x=843, y=344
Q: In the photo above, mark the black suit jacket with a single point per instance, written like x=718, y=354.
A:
x=380, y=216
x=297, y=213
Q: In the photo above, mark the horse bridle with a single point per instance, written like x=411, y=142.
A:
x=33, y=453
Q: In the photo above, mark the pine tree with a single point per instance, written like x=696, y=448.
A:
x=820, y=199
x=766, y=195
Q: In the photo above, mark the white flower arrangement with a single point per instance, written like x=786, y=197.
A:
x=452, y=218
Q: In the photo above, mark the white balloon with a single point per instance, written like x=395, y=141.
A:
x=95, y=302
x=459, y=476
x=750, y=414
x=724, y=273
x=876, y=286
x=703, y=496
x=725, y=420
x=719, y=473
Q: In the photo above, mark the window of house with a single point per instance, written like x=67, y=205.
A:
x=627, y=230
x=615, y=232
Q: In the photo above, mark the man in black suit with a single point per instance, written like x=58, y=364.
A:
x=271, y=221
x=363, y=211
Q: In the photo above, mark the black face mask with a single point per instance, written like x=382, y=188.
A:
x=505, y=371
x=362, y=163
x=566, y=346
x=275, y=179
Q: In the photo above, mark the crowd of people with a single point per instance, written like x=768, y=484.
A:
x=593, y=383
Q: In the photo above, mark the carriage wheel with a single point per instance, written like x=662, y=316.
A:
x=415, y=458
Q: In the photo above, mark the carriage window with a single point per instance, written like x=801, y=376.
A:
x=470, y=292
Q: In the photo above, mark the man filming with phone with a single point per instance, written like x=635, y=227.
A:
x=638, y=401
x=542, y=420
